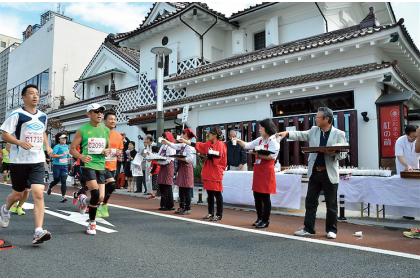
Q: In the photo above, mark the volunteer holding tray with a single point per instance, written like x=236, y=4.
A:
x=213, y=169
x=266, y=148
x=185, y=175
x=322, y=170
x=165, y=178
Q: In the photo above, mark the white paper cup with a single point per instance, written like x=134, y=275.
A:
x=358, y=234
x=234, y=142
x=160, y=139
x=178, y=137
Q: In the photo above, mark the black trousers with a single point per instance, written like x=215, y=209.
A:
x=140, y=182
x=318, y=182
x=263, y=206
x=211, y=195
x=185, y=198
x=167, y=196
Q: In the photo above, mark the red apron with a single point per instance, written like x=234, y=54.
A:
x=264, y=179
x=166, y=173
x=185, y=177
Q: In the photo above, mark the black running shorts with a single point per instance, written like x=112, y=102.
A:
x=92, y=174
x=25, y=175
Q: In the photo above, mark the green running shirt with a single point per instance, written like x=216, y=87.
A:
x=94, y=141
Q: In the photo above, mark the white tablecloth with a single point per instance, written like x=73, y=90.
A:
x=401, y=196
x=237, y=189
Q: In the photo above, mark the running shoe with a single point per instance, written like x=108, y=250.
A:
x=208, y=217
x=4, y=216
x=303, y=233
x=63, y=200
x=49, y=190
x=13, y=209
x=216, y=218
x=104, y=211
x=99, y=212
x=41, y=237
x=91, y=229
x=413, y=233
x=20, y=211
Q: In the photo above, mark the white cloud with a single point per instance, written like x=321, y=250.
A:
x=11, y=25
x=121, y=17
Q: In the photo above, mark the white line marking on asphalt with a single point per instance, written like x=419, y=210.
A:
x=78, y=218
x=317, y=241
x=267, y=233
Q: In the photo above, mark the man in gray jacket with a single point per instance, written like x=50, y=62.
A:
x=322, y=170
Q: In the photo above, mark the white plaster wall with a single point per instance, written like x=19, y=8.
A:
x=74, y=45
x=188, y=46
x=31, y=58
x=215, y=38
x=364, y=101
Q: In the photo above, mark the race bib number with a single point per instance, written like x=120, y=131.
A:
x=112, y=155
x=36, y=139
x=63, y=160
x=258, y=161
x=96, y=146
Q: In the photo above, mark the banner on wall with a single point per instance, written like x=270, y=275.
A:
x=390, y=122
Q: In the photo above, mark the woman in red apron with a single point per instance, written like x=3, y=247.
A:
x=213, y=169
x=185, y=173
x=165, y=177
x=264, y=179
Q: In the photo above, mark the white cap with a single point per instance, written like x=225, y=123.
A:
x=94, y=106
x=63, y=136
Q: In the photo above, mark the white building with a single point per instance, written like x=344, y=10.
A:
x=281, y=61
x=4, y=63
x=110, y=79
x=52, y=56
x=7, y=41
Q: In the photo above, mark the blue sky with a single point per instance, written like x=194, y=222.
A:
x=15, y=17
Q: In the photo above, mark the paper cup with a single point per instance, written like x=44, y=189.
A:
x=178, y=137
x=234, y=142
x=358, y=234
x=160, y=139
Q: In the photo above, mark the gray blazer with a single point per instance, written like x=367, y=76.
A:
x=331, y=161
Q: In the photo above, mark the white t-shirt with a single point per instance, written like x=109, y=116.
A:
x=405, y=148
x=29, y=128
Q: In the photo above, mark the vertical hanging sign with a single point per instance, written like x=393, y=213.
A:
x=390, y=121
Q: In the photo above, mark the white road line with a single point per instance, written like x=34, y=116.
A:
x=77, y=218
x=304, y=239
x=267, y=233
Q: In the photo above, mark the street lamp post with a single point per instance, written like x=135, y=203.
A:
x=160, y=53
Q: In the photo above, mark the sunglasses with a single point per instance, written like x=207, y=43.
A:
x=98, y=111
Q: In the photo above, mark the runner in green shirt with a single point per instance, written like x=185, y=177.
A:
x=93, y=138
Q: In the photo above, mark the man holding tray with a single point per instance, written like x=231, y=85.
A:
x=322, y=170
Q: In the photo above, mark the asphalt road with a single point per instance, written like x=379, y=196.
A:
x=153, y=246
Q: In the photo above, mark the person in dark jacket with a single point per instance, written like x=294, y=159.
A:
x=236, y=155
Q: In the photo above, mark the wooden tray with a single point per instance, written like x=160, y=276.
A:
x=336, y=149
x=415, y=174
